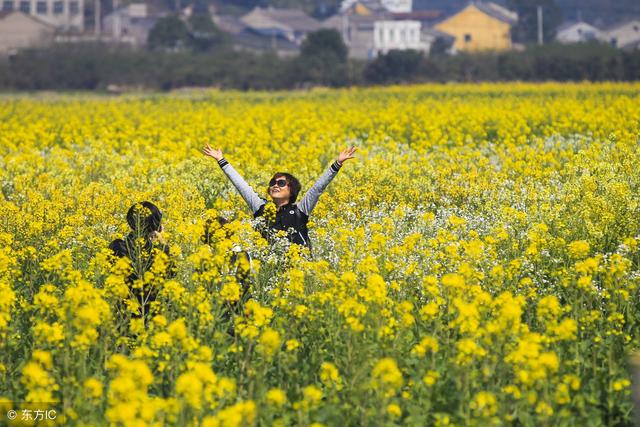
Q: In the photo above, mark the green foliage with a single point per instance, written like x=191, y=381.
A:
x=395, y=66
x=325, y=43
x=168, y=33
x=205, y=35
x=91, y=66
x=322, y=60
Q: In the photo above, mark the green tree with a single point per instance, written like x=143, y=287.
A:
x=325, y=43
x=322, y=60
x=204, y=33
x=395, y=66
x=168, y=33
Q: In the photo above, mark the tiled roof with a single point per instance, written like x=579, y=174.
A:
x=294, y=19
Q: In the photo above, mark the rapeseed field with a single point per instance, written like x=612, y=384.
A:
x=477, y=263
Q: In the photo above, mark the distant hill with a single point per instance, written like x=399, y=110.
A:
x=599, y=12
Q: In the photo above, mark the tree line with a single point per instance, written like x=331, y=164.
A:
x=323, y=61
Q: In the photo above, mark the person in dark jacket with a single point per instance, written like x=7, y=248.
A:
x=141, y=246
x=283, y=189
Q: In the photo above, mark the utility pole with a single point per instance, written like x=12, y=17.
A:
x=540, y=40
x=97, y=18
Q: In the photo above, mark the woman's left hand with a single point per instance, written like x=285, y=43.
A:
x=346, y=154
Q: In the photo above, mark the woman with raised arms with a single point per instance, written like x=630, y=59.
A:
x=283, y=189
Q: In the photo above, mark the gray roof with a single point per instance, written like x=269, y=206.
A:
x=373, y=5
x=229, y=24
x=496, y=11
x=622, y=23
x=295, y=19
x=334, y=21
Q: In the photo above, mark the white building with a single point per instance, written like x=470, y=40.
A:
x=66, y=15
x=369, y=29
x=399, y=35
x=576, y=32
x=624, y=35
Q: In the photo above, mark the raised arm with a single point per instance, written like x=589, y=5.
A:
x=311, y=197
x=250, y=197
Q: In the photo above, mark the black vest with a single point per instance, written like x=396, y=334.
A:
x=290, y=216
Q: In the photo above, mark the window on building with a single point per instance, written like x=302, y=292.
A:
x=614, y=42
x=74, y=8
x=41, y=7
x=402, y=38
x=25, y=6
x=467, y=38
x=7, y=5
x=58, y=7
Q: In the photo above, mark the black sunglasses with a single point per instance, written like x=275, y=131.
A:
x=281, y=182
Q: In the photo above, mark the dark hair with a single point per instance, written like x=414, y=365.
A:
x=294, y=185
x=148, y=221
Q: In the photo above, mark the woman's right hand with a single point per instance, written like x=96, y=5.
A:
x=216, y=153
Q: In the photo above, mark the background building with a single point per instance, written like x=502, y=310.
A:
x=576, y=32
x=242, y=37
x=399, y=35
x=19, y=30
x=624, y=35
x=64, y=15
x=129, y=24
x=480, y=26
x=290, y=24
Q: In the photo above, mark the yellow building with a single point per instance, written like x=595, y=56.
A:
x=480, y=26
